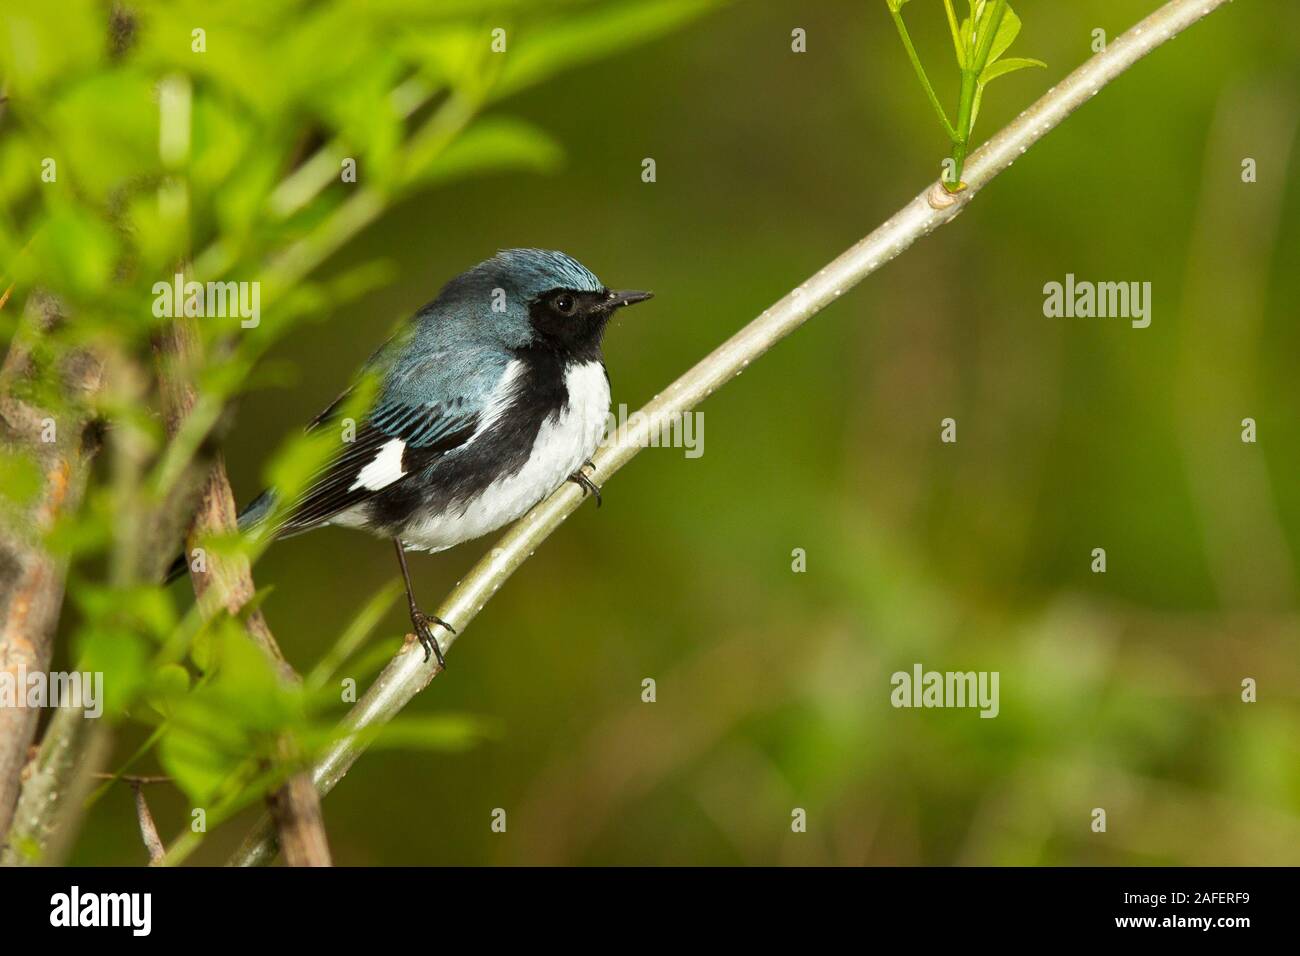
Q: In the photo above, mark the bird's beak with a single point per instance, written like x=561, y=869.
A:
x=616, y=299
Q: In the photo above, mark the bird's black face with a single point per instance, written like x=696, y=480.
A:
x=573, y=322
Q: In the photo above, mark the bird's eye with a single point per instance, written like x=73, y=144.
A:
x=564, y=303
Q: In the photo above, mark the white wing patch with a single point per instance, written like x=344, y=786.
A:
x=385, y=469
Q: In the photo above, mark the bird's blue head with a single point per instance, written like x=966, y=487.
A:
x=536, y=298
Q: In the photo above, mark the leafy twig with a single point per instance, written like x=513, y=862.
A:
x=978, y=42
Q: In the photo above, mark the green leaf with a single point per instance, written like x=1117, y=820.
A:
x=955, y=30
x=494, y=143
x=963, y=38
x=246, y=684
x=122, y=657
x=234, y=716
x=106, y=131
x=144, y=609
x=202, y=652
x=1003, y=67
x=18, y=158
x=541, y=50
x=449, y=54
x=1006, y=34
x=199, y=765
x=171, y=682
x=992, y=72
x=42, y=44
x=72, y=253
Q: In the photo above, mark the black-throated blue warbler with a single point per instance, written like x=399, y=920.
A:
x=490, y=398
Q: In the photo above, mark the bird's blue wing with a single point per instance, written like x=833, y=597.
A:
x=428, y=405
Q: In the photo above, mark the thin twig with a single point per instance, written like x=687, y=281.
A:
x=407, y=674
x=148, y=832
x=131, y=778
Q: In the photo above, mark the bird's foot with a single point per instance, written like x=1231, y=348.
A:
x=423, y=624
x=583, y=481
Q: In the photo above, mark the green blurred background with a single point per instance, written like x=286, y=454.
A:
x=1118, y=690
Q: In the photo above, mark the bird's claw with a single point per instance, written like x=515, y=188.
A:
x=583, y=481
x=424, y=631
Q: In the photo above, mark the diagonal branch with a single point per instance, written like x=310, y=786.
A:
x=407, y=674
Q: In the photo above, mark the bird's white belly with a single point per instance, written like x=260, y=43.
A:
x=563, y=443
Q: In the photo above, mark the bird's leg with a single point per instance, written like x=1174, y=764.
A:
x=583, y=480
x=419, y=620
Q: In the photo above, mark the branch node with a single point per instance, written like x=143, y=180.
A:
x=939, y=198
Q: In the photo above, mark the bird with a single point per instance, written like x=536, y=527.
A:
x=487, y=400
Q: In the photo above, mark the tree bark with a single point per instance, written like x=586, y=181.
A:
x=61, y=444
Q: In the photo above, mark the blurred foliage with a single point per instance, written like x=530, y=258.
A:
x=141, y=140
x=1119, y=690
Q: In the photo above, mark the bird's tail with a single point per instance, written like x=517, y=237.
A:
x=252, y=515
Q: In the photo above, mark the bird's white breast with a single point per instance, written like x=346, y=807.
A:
x=564, y=441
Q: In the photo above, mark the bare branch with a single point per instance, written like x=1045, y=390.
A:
x=226, y=583
x=296, y=810
x=407, y=674
x=148, y=831
x=131, y=778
